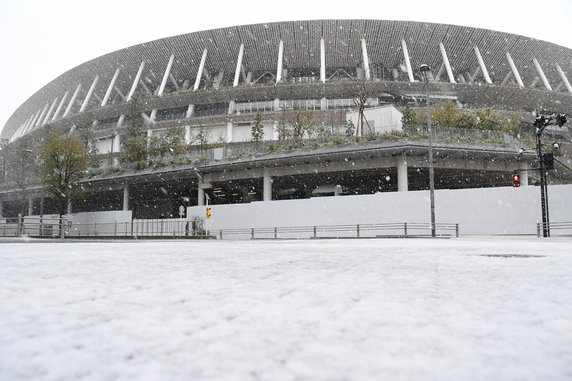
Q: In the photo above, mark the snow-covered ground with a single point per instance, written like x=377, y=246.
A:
x=414, y=309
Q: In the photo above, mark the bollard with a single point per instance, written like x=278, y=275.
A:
x=62, y=222
x=314, y=232
x=19, y=226
x=538, y=230
x=252, y=233
x=220, y=233
x=405, y=229
x=275, y=233
x=457, y=230
x=357, y=230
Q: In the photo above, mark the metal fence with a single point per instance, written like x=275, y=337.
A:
x=404, y=230
x=562, y=228
x=33, y=226
x=182, y=228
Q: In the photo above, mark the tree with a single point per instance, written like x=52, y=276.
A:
x=170, y=142
x=257, y=129
x=466, y=120
x=64, y=164
x=445, y=114
x=19, y=167
x=350, y=129
x=409, y=117
x=301, y=122
x=135, y=148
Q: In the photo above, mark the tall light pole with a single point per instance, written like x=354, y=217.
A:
x=541, y=122
x=424, y=69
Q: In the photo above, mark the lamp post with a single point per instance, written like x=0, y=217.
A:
x=541, y=122
x=424, y=69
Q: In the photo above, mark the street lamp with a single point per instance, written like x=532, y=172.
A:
x=424, y=69
x=541, y=122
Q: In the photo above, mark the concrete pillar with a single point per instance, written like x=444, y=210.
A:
x=200, y=71
x=407, y=61
x=280, y=59
x=166, y=76
x=541, y=74
x=447, y=63
x=276, y=104
x=365, y=60
x=190, y=111
x=89, y=93
x=483, y=66
x=323, y=104
x=267, y=185
x=59, y=109
x=41, y=118
x=201, y=196
x=187, y=135
x=110, y=88
x=229, y=132
x=402, y=183
x=514, y=70
x=564, y=78
x=72, y=100
x=50, y=111
x=125, y=196
x=524, y=174
x=135, y=81
x=30, y=206
x=322, y=61
x=238, y=66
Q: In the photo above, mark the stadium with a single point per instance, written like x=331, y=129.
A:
x=298, y=110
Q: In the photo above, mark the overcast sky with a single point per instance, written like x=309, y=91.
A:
x=41, y=39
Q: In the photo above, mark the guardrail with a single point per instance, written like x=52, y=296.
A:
x=553, y=226
x=50, y=227
x=33, y=226
x=404, y=230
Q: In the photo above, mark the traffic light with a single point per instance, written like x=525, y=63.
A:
x=208, y=212
x=560, y=119
x=516, y=180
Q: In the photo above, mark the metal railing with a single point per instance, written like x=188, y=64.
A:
x=564, y=228
x=50, y=227
x=33, y=226
x=404, y=230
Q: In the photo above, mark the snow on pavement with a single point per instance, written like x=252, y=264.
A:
x=394, y=309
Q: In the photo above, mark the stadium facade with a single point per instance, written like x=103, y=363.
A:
x=218, y=81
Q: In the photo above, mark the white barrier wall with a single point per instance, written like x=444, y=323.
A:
x=504, y=210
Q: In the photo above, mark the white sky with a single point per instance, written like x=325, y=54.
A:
x=41, y=39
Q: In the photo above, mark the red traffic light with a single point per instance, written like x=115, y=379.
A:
x=516, y=180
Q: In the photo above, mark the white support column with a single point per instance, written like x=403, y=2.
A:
x=41, y=118
x=166, y=76
x=59, y=109
x=483, y=66
x=50, y=111
x=125, y=196
x=72, y=100
x=267, y=185
x=514, y=70
x=110, y=88
x=238, y=66
x=70, y=207
x=322, y=61
x=524, y=174
x=32, y=124
x=407, y=61
x=116, y=142
x=200, y=196
x=200, y=72
x=89, y=93
x=564, y=78
x=447, y=63
x=135, y=81
x=162, y=85
x=229, y=132
x=365, y=60
x=402, y=182
x=280, y=63
x=541, y=73
x=190, y=111
x=187, y=135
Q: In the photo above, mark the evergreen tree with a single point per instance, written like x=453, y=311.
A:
x=64, y=164
x=445, y=114
x=257, y=130
x=409, y=117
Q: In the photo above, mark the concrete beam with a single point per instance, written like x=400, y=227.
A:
x=407, y=61
x=447, y=63
x=280, y=61
x=541, y=74
x=482, y=66
x=72, y=100
x=564, y=78
x=89, y=93
x=514, y=70
x=365, y=60
x=322, y=61
x=59, y=109
x=200, y=71
x=110, y=87
x=238, y=65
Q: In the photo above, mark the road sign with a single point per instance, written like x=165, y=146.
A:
x=181, y=211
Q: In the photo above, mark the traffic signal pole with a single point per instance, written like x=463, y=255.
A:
x=543, y=185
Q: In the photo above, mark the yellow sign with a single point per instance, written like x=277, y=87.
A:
x=208, y=212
